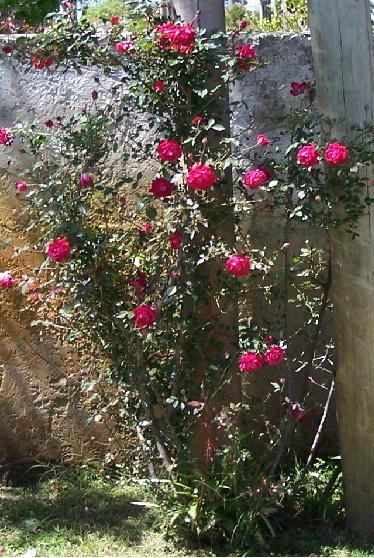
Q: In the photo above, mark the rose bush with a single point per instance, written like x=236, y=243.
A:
x=148, y=284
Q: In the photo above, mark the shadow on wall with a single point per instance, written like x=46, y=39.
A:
x=40, y=415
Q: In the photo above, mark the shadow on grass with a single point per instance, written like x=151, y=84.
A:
x=55, y=516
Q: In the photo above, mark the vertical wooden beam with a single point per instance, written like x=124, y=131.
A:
x=211, y=13
x=342, y=43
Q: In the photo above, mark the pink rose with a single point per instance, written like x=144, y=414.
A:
x=274, y=355
x=7, y=49
x=161, y=188
x=298, y=88
x=139, y=282
x=238, y=265
x=124, y=46
x=6, y=279
x=159, y=86
x=307, y=156
x=5, y=137
x=21, y=185
x=250, y=362
x=253, y=179
x=245, y=55
x=175, y=240
x=336, y=154
x=114, y=20
x=59, y=249
x=201, y=177
x=86, y=180
x=145, y=316
x=146, y=229
x=169, y=150
x=262, y=140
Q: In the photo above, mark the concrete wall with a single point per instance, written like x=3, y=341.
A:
x=37, y=417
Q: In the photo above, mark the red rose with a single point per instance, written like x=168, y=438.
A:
x=59, y=249
x=201, y=177
x=238, y=265
x=245, y=55
x=145, y=316
x=308, y=155
x=139, y=282
x=124, y=46
x=7, y=49
x=169, y=150
x=274, y=355
x=114, y=20
x=86, y=180
x=21, y=185
x=49, y=123
x=253, y=179
x=197, y=120
x=6, y=137
x=298, y=88
x=159, y=86
x=175, y=240
x=262, y=140
x=161, y=188
x=180, y=38
x=250, y=362
x=336, y=154
x=298, y=413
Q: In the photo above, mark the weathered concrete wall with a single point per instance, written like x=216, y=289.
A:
x=37, y=418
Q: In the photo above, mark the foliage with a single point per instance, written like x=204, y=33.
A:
x=31, y=11
x=105, y=10
x=294, y=18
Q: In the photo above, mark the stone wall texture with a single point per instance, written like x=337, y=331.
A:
x=37, y=417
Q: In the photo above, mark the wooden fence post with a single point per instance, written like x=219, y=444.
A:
x=342, y=43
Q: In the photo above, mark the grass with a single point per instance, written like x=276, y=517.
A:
x=83, y=513
x=75, y=515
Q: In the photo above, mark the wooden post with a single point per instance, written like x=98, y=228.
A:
x=221, y=345
x=342, y=42
x=211, y=13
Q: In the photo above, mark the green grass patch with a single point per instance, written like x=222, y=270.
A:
x=84, y=513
